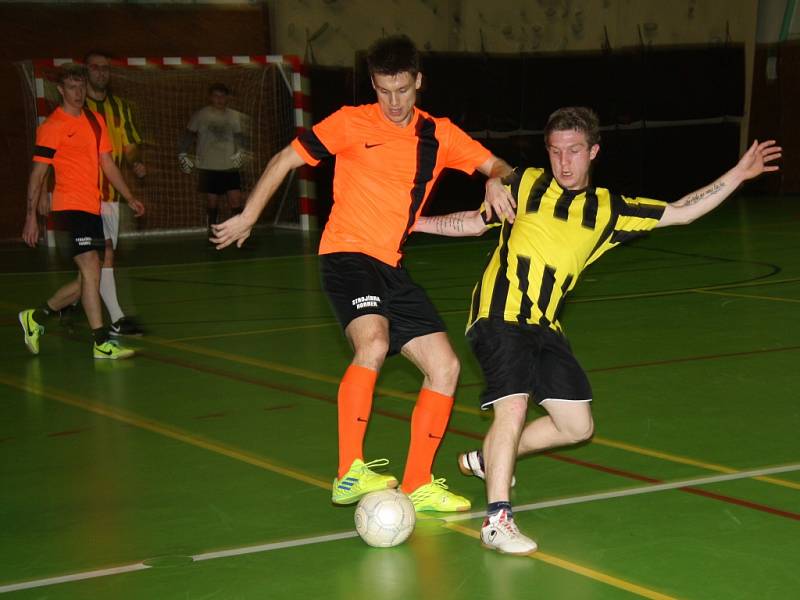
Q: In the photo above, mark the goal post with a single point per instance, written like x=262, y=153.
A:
x=272, y=93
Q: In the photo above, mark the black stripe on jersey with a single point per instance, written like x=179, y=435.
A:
x=590, y=209
x=130, y=133
x=564, y=290
x=617, y=206
x=523, y=270
x=427, y=153
x=561, y=209
x=476, y=293
x=643, y=211
x=538, y=190
x=312, y=144
x=620, y=237
x=515, y=179
x=44, y=151
x=545, y=293
x=497, y=305
x=115, y=106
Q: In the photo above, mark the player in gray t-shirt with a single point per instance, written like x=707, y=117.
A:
x=217, y=132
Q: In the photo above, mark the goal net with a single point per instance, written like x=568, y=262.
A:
x=163, y=93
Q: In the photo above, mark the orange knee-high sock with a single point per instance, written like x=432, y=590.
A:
x=428, y=424
x=355, y=405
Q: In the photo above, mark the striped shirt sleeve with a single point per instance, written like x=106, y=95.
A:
x=324, y=139
x=637, y=216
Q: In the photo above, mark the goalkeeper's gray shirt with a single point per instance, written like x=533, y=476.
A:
x=216, y=131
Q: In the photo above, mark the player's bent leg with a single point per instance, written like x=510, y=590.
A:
x=369, y=336
x=567, y=422
x=572, y=419
x=434, y=356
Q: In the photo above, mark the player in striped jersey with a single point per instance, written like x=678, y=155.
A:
x=558, y=226
x=125, y=141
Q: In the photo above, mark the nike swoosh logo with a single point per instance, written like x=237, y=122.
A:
x=104, y=352
x=70, y=134
x=362, y=420
x=436, y=437
x=372, y=145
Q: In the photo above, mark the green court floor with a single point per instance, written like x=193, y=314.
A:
x=202, y=467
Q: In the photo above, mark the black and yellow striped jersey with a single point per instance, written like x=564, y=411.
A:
x=556, y=234
x=121, y=130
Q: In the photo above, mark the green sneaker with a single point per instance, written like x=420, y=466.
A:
x=31, y=330
x=111, y=350
x=436, y=496
x=360, y=480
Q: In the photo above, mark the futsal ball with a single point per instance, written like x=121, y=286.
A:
x=385, y=518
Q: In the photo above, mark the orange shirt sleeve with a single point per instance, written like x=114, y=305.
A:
x=48, y=139
x=325, y=139
x=464, y=153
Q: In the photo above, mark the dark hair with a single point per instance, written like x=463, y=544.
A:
x=574, y=118
x=392, y=55
x=91, y=53
x=70, y=71
x=219, y=87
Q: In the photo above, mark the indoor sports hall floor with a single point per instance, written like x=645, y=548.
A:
x=202, y=467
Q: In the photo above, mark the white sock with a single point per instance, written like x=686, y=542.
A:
x=108, y=291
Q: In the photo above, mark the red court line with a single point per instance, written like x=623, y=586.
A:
x=464, y=433
x=689, y=490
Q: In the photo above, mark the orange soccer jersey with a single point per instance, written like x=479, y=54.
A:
x=384, y=174
x=70, y=145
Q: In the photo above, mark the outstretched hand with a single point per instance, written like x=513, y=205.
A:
x=236, y=229
x=755, y=161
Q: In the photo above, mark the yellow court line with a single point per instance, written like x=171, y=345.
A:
x=391, y=393
x=578, y=569
x=169, y=431
x=687, y=461
x=752, y=296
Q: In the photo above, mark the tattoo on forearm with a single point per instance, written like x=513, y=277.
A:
x=709, y=191
x=449, y=224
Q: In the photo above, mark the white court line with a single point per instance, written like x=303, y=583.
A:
x=645, y=489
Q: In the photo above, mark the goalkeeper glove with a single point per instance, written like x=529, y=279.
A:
x=185, y=162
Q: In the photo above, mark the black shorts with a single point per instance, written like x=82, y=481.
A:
x=218, y=182
x=357, y=284
x=526, y=359
x=77, y=232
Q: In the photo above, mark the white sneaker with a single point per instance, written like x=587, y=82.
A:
x=471, y=463
x=500, y=532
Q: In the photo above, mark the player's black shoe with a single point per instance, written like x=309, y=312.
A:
x=126, y=326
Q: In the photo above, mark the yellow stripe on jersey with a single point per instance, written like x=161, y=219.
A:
x=121, y=130
x=556, y=234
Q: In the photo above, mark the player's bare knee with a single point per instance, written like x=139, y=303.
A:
x=446, y=373
x=578, y=430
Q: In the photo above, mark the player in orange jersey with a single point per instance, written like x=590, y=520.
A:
x=388, y=156
x=75, y=141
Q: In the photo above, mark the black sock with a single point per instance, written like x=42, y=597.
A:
x=100, y=335
x=495, y=507
x=44, y=313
